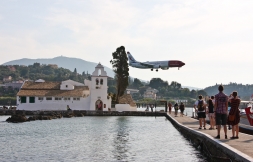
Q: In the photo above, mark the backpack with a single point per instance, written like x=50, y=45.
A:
x=176, y=106
x=201, y=105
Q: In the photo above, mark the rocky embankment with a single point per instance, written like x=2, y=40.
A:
x=21, y=116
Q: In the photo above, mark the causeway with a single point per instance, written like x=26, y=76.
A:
x=241, y=149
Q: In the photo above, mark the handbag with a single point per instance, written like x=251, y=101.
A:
x=231, y=117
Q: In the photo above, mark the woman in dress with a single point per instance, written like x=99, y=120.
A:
x=235, y=102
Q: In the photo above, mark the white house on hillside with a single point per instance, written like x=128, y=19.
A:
x=150, y=93
x=44, y=95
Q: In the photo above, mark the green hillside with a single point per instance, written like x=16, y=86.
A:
x=64, y=62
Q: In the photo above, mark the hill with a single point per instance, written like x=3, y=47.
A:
x=64, y=62
x=192, y=88
x=244, y=91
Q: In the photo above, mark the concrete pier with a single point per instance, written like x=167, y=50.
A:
x=217, y=149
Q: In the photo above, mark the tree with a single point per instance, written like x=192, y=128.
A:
x=175, y=85
x=121, y=69
x=193, y=94
x=157, y=82
x=137, y=83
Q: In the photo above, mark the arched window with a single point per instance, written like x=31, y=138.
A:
x=97, y=81
x=99, y=72
x=101, y=81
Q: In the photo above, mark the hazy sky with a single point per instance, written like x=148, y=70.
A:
x=214, y=38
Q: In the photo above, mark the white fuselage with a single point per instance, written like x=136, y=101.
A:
x=164, y=65
x=157, y=64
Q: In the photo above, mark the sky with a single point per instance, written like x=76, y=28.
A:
x=213, y=38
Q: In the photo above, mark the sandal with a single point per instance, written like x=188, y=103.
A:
x=210, y=128
x=200, y=128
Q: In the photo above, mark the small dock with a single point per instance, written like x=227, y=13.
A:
x=226, y=149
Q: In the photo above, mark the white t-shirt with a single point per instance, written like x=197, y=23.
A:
x=196, y=104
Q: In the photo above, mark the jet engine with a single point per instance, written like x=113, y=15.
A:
x=165, y=68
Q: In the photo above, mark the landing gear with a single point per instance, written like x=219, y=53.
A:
x=151, y=69
x=156, y=70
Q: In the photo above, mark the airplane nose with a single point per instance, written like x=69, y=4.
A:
x=182, y=63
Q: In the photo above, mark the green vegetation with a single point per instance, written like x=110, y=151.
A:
x=34, y=72
x=8, y=92
x=120, y=67
x=38, y=71
x=166, y=91
x=7, y=100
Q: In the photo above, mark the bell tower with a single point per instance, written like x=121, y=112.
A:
x=98, y=89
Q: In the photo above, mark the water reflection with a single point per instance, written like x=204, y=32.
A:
x=121, y=138
x=95, y=139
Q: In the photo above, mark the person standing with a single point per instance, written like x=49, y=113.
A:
x=221, y=109
x=181, y=107
x=100, y=105
x=68, y=108
x=235, y=102
x=169, y=105
x=229, y=107
x=211, y=112
x=200, y=107
x=176, y=109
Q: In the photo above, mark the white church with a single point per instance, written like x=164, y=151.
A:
x=44, y=95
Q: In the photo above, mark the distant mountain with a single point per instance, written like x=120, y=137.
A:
x=244, y=91
x=192, y=88
x=64, y=62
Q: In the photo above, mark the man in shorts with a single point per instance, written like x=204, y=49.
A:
x=221, y=110
x=200, y=107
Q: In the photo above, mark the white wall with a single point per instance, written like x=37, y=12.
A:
x=124, y=107
x=82, y=104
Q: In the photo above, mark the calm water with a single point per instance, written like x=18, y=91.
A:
x=95, y=139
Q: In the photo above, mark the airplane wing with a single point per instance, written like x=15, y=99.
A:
x=148, y=65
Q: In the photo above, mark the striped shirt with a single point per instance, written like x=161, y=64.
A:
x=220, y=100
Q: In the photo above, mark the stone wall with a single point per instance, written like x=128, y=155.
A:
x=84, y=112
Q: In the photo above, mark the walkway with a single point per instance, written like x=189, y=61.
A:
x=243, y=145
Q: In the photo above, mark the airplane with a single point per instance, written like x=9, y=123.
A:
x=164, y=65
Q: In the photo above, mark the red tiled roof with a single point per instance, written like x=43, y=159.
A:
x=77, y=92
x=41, y=85
x=50, y=89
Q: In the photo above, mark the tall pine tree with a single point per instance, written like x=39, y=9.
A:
x=121, y=69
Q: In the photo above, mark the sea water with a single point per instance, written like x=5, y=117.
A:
x=111, y=138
